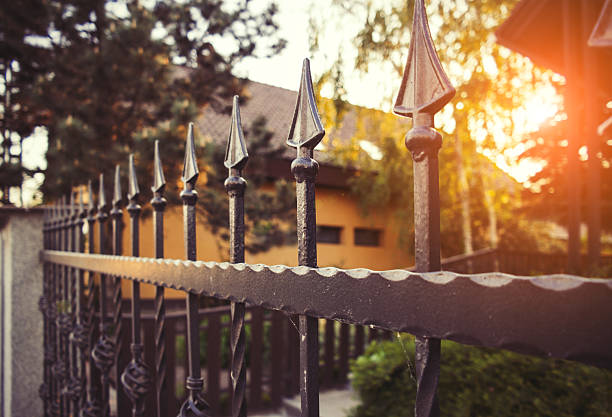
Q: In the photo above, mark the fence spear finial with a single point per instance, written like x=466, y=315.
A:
x=425, y=89
x=159, y=181
x=102, y=205
x=133, y=189
x=117, y=188
x=81, y=205
x=91, y=208
x=236, y=154
x=306, y=127
x=425, y=86
x=71, y=207
x=190, y=166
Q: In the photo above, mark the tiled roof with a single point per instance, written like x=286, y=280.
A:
x=276, y=104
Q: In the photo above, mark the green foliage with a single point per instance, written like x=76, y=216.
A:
x=480, y=116
x=121, y=75
x=21, y=65
x=479, y=382
x=113, y=77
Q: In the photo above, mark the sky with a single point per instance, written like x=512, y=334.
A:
x=284, y=69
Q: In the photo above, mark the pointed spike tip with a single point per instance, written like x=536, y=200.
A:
x=133, y=189
x=117, y=186
x=425, y=86
x=102, y=195
x=71, y=207
x=159, y=181
x=236, y=154
x=190, y=166
x=81, y=205
x=90, y=197
x=306, y=127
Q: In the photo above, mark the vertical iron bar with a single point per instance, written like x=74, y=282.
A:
x=74, y=384
x=92, y=406
x=305, y=133
x=425, y=89
x=194, y=405
x=119, y=355
x=136, y=378
x=103, y=353
x=159, y=204
x=80, y=333
x=236, y=157
x=329, y=354
x=64, y=316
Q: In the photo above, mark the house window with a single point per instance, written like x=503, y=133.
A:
x=367, y=237
x=328, y=234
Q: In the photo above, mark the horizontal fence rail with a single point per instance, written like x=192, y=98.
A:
x=562, y=316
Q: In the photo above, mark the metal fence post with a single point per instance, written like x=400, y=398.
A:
x=80, y=333
x=120, y=357
x=104, y=351
x=236, y=156
x=425, y=89
x=63, y=317
x=74, y=383
x=92, y=407
x=305, y=133
x=195, y=405
x=136, y=377
x=159, y=204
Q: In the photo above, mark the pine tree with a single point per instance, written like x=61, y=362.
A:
x=21, y=64
x=116, y=76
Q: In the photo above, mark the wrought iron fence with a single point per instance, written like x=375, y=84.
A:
x=84, y=333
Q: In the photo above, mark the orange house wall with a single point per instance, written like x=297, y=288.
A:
x=334, y=208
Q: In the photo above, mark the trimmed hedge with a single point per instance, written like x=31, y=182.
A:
x=479, y=382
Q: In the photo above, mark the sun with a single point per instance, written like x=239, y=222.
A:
x=537, y=108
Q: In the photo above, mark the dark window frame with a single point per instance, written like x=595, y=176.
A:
x=331, y=235
x=371, y=237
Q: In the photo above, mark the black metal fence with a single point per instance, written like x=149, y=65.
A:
x=85, y=331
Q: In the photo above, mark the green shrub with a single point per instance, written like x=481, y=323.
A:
x=479, y=382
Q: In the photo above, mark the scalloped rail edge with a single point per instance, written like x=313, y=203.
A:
x=562, y=316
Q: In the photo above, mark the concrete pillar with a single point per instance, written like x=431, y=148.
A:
x=21, y=344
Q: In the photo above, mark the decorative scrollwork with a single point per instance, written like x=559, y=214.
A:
x=195, y=407
x=64, y=323
x=54, y=408
x=60, y=371
x=136, y=378
x=50, y=354
x=103, y=354
x=80, y=335
x=52, y=312
x=73, y=389
x=91, y=409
